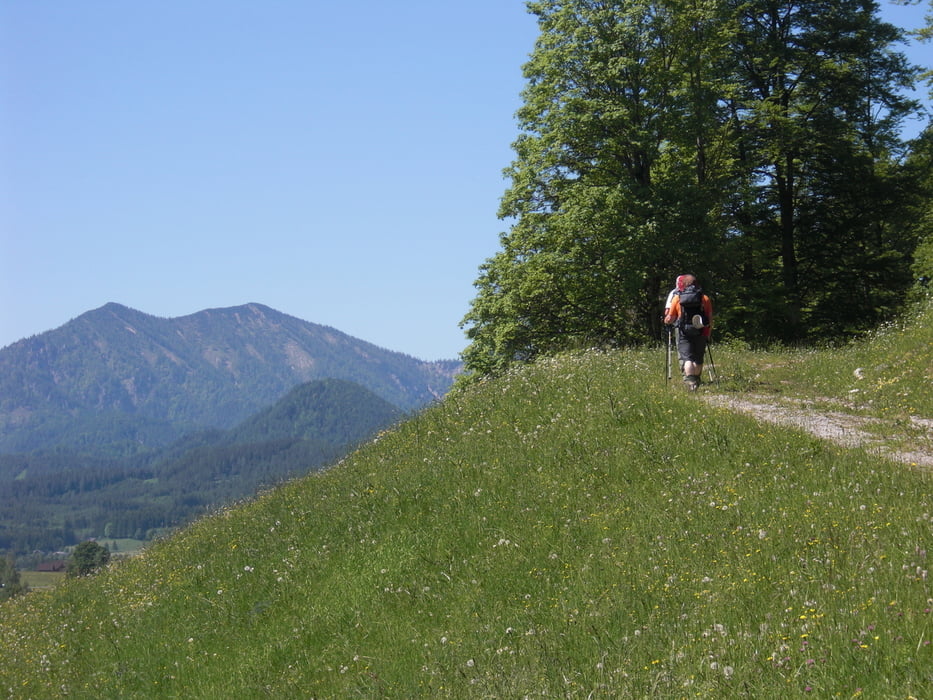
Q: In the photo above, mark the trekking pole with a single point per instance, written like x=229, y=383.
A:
x=669, y=346
x=712, y=365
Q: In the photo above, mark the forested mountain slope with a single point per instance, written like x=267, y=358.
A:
x=119, y=380
x=52, y=500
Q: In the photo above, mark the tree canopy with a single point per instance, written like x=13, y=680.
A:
x=88, y=557
x=10, y=583
x=752, y=142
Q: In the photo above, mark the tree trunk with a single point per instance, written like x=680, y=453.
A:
x=789, y=265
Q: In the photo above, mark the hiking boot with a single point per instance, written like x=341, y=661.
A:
x=691, y=381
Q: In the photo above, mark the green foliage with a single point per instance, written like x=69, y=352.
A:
x=88, y=558
x=925, y=35
x=10, y=583
x=752, y=143
x=607, y=183
x=920, y=214
x=571, y=529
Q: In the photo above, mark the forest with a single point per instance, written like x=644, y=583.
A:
x=51, y=500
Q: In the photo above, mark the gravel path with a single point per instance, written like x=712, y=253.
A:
x=842, y=428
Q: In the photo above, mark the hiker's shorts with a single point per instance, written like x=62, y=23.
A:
x=691, y=348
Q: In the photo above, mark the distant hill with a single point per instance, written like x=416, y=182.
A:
x=117, y=381
x=51, y=500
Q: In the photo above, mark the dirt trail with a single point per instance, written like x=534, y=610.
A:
x=875, y=434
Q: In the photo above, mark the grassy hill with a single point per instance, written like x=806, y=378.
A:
x=574, y=529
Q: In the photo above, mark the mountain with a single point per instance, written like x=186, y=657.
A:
x=51, y=500
x=119, y=381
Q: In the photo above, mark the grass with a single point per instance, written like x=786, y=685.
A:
x=574, y=529
x=37, y=580
x=887, y=374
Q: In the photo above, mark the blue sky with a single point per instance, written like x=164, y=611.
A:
x=339, y=162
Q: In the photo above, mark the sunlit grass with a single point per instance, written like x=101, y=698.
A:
x=576, y=528
x=37, y=580
x=887, y=373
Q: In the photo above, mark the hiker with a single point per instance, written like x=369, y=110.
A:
x=691, y=312
x=667, y=309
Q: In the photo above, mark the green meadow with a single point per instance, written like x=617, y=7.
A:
x=577, y=528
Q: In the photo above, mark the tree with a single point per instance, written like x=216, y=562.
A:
x=87, y=558
x=749, y=141
x=920, y=211
x=924, y=33
x=10, y=583
x=622, y=158
x=818, y=118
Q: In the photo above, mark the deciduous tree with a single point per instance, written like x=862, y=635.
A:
x=618, y=178
x=753, y=142
x=88, y=557
x=818, y=117
x=10, y=583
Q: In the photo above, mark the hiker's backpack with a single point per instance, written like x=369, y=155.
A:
x=691, y=306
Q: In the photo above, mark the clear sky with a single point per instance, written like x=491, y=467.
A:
x=339, y=162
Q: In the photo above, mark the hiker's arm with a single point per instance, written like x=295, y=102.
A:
x=674, y=312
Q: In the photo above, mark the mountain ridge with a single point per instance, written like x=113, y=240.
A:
x=116, y=375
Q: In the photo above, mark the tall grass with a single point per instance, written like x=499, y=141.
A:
x=573, y=529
